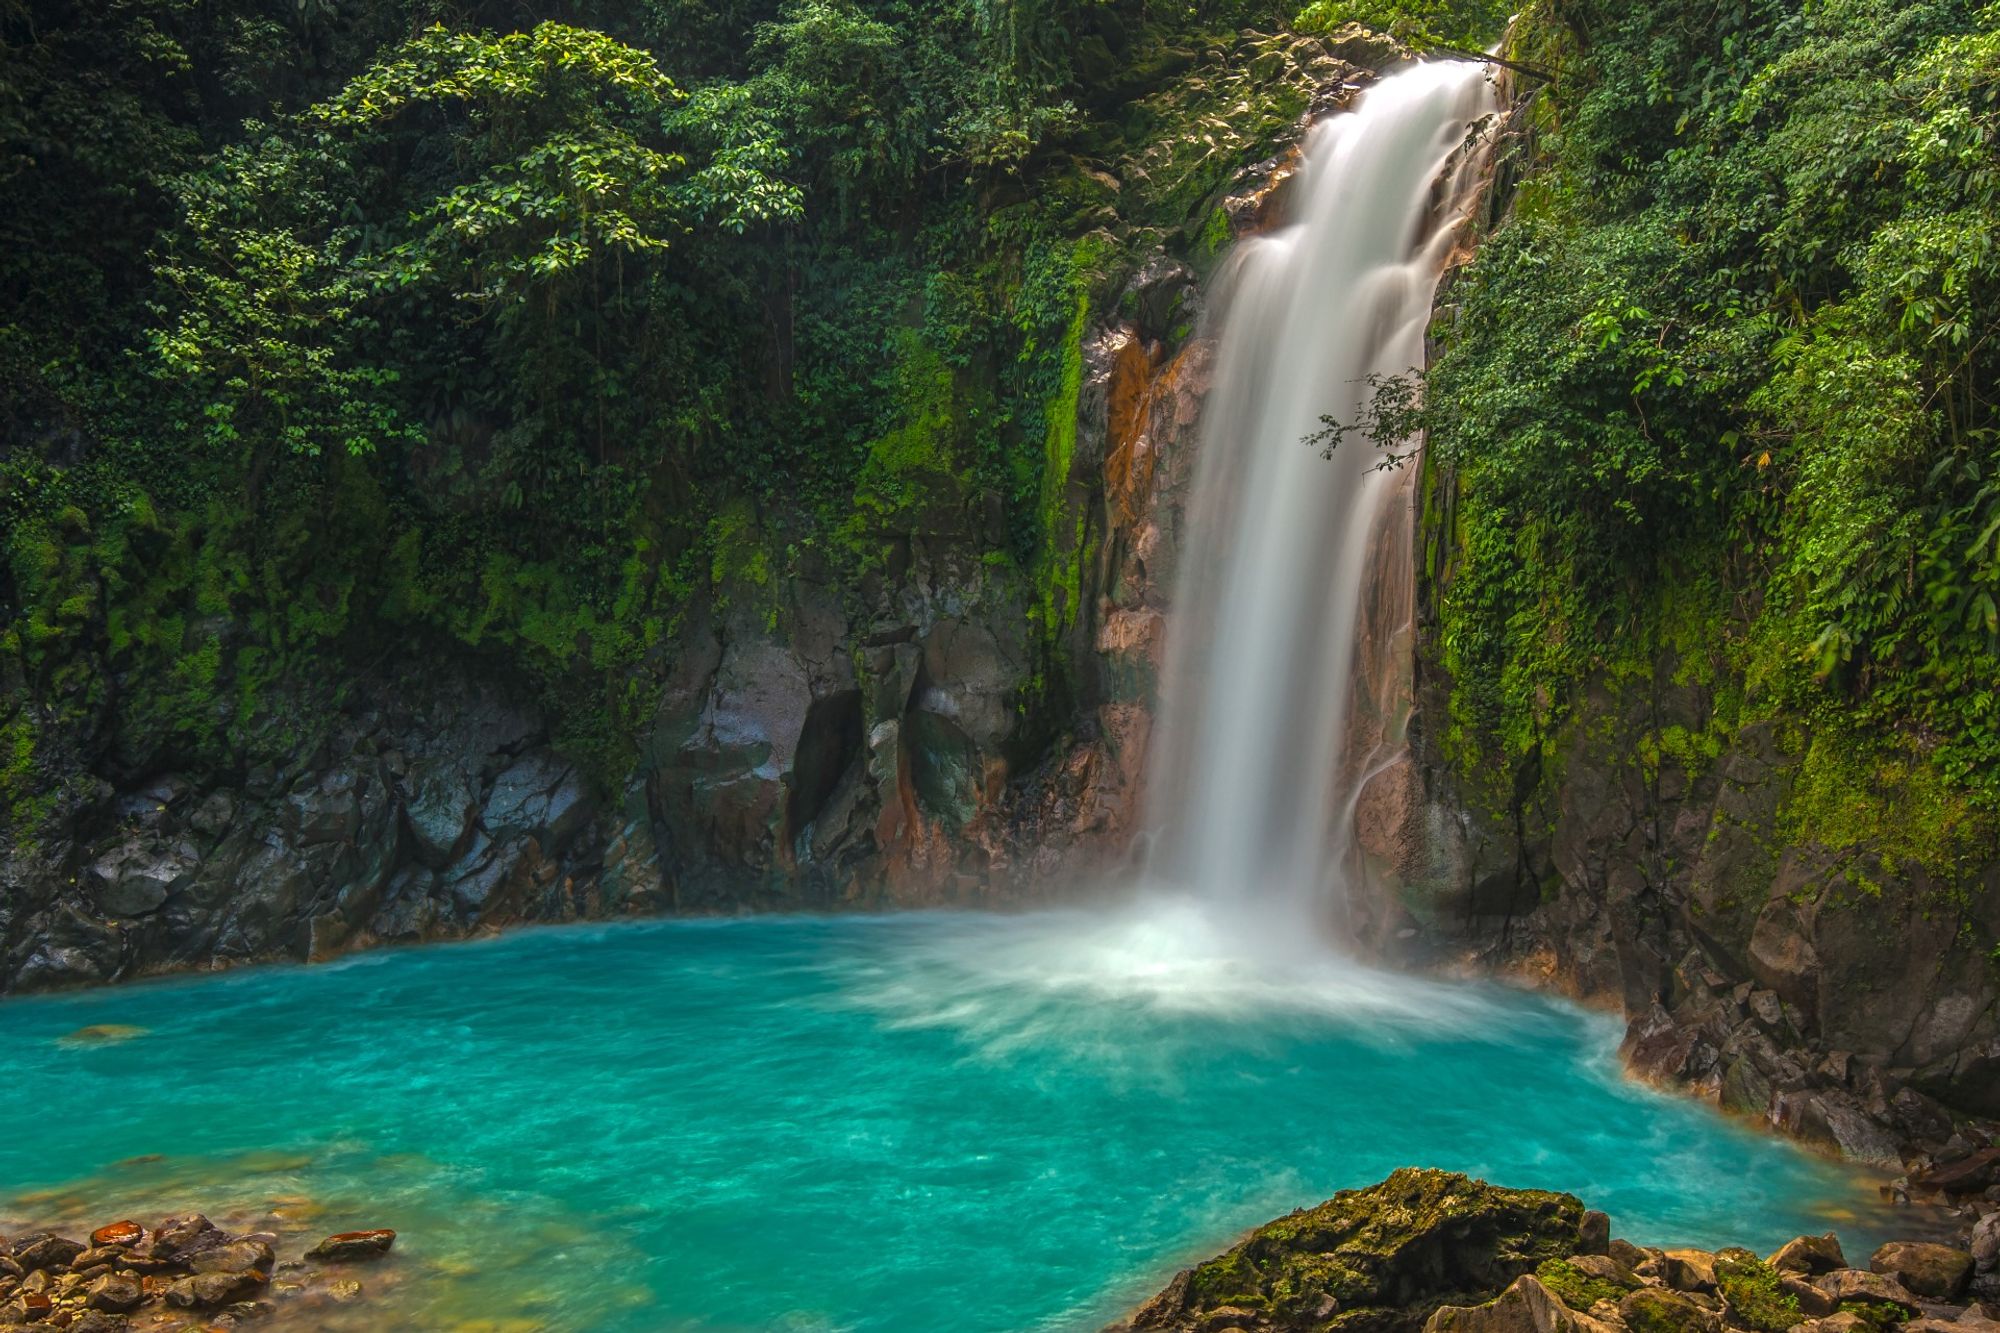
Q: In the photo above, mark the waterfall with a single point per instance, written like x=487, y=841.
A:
x=1252, y=788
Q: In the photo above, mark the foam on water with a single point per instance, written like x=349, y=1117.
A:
x=933, y=1121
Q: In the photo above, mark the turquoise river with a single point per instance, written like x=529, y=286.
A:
x=933, y=1121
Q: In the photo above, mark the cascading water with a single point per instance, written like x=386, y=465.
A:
x=1252, y=788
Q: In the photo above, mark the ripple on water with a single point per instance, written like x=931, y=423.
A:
x=952, y=1121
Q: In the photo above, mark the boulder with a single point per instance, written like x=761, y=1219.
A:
x=1755, y=1296
x=45, y=1250
x=1809, y=1254
x=1658, y=1310
x=242, y=1255
x=1813, y=1302
x=114, y=1294
x=1385, y=1257
x=1965, y=1321
x=349, y=1246
x=1525, y=1307
x=207, y=1290
x=1854, y=1284
x=1628, y=1254
x=1986, y=1243
x=1937, y=1271
x=1844, y=1322
x=117, y=1234
x=1583, y=1280
x=1688, y=1270
x=1970, y=1174
x=179, y=1238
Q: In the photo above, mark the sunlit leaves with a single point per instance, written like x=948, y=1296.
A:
x=571, y=152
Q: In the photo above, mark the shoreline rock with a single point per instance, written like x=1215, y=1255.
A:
x=1429, y=1251
x=185, y=1273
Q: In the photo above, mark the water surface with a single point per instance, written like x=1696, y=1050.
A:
x=920, y=1122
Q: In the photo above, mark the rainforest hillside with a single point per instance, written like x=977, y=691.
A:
x=339, y=335
x=348, y=338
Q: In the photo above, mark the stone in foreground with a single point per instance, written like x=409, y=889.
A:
x=1935, y=1271
x=1377, y=1260
x=1525, y=1307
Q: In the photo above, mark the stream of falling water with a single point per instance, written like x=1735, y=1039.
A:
x=1252, y=790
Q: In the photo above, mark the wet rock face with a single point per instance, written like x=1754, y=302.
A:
x=1753, y=970
x=417, y=821
x=1382, y=1258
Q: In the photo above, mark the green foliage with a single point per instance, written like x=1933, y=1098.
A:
x=1461, y=24
x=1751, y=1288
x=1574, y=1287
x=349, y=339
x=1732, y=334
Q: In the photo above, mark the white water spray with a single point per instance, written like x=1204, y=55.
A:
x=1252, y=789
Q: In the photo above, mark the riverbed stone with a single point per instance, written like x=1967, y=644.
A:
x=117, y=1234
x=115, y=1294
x=179, y=1238
x=45, y=1250
x=350, y=1246
x=96, y=1321
x=243, y=1255
x=1937, y=1271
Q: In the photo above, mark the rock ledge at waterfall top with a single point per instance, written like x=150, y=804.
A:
x=1429, y=1251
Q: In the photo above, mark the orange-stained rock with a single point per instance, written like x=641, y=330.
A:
x=118, y=1233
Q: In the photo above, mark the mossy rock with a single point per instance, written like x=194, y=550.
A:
x=1657, y=1310
x=1578, y=1289
x=1756, y=1300
x=1379, y=1260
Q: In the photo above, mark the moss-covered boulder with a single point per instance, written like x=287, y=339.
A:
x=1754, y=1293
x=1376, y=1260
x=1659, y=1310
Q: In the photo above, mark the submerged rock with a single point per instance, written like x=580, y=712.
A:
x=102, y=1034
x=186, y=1274
x=350, y=1246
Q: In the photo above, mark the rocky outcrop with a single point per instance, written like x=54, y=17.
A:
x=1839, y=995
x=185, y=1273
x=1445, y=1254
x=1378, y=1260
